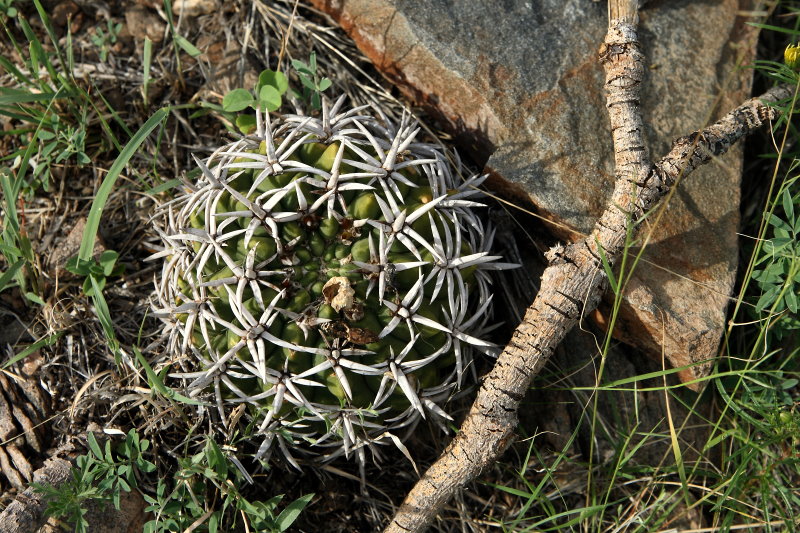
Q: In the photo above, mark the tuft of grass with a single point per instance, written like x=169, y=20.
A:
x=52, y=132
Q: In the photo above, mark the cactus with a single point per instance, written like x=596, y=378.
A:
x=329, y=274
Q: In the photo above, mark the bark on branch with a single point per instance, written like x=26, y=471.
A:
x=573, y=282
x=26, y=513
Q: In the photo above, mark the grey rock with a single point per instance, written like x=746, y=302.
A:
x=520, y=81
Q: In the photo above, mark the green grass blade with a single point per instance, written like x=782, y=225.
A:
x=32, y=146
x=186, y=46
x=38, y=54
x=157, y=383
x=612, y=281
x=9, y=67
x=103, y=122
x=41, y=343
x=10, y=193
x=582, y=513
x=13, y=133
x=770, y=27
x=292, y=511
x=147, y=58
x=15, y=96
x=96, y=211
x=11, y=113
x=161, y=187
x=70, y=52
x=104, y=315
x=10, y=251
x=35, y=298
x=50, y=31
x=675, y=444
x=9, y=274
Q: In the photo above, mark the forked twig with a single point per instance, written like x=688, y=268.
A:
x=575, y=279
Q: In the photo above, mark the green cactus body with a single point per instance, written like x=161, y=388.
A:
x=330, y=274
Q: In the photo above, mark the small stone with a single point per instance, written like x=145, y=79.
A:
x=64, y=12
x=69, y=247
x=194, y=8
x=13, y=331
x=142, y=22
x=214, y=52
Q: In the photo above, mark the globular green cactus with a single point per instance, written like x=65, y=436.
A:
x=330, y=275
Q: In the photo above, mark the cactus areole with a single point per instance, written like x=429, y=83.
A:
x=329, y=274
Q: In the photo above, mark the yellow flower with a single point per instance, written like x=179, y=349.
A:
x=791, y=56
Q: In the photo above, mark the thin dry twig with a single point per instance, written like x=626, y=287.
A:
x=575, y=278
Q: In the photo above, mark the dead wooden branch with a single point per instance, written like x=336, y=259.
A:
x=574, y=280
x=26, y=513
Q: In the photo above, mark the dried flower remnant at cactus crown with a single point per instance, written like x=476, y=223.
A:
x=330, y=274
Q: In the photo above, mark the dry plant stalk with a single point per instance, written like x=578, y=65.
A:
x=573, y=282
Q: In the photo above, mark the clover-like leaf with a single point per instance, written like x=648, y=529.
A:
x=78, y=266
x=269, y=98
x=307, y=82
x=301, y=67
x=246, y=124
x=273, y=78
x=788, y=206
x=107, y=260
x=236, y=100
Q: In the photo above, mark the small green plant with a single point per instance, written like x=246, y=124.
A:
x=269, y=91
x=38, y=109
x=104, y=40
x=777, y=271
x=7, y=8
x=268, y=96
x=59, y=142
x=68, y=502
x=117, y=470
x=103, y=474
x=100, y=269
x=786, y=424
x=206, y=497
x=313, y=85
